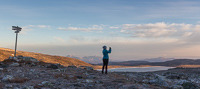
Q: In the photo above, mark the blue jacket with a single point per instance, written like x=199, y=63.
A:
x=105, y=53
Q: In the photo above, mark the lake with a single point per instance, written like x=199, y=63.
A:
x=139, y=69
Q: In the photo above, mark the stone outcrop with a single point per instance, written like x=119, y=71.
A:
x=29, y=73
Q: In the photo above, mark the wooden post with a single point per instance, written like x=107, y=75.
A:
x=16, y=45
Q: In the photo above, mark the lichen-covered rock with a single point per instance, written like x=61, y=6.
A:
x=28, y=87
x=7, y=78
x=89, y=81
x=189, y=85
x=177, y=76
x=30, y=59
x=8, y=86
x=175, y=87
x=53, y=66
x=159, y=80
x=91, y=76
x=46, y=83
x=180, y=82
x=10, y=57
x=20, y=57
x=15, y=58
x=40, y=76
x=14, y=64
x=88, y=68
x=72, y=66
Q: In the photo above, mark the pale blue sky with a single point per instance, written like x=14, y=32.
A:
x=135, y=29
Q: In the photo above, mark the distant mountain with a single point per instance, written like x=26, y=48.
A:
x=159, y=59
x=66, y=61
x=88, y=59
x=129, y=63
x=175, y=62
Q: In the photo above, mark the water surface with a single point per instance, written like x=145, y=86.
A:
x=139, y=69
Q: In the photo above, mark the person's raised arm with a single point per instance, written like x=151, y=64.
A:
x=109, y=50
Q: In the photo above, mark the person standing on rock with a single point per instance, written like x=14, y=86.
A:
x=105, y=58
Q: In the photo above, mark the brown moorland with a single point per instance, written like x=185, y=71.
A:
x=65, y=61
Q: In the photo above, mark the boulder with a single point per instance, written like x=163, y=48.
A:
x=79, y=76
x=14, y=64
x=14, y=58
x=46, y=83
x=7, y=78
x=176, y=87
x=88, y=68
x=28, y=87
x=177, y=76
x=159, y=80
x=20, y=57
x=30, y=59
x=89, y=81
x=91, y=76
x=8, y=86
x=10, y=57
x=2, y=65
x=189, y=85
x=72, y=66
x=53, y=66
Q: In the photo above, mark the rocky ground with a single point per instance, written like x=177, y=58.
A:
x=29, y=73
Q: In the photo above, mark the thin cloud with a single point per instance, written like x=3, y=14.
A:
x=114, y=27
x=38, y=26
x=59, y=39
x=159, y=30
x=28, y=28
x=198, y=22
x=187, y=34
x=93, y=28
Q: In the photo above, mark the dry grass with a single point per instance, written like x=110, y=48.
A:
x=65, y=76
x=19, y=80
x=65, y=61
x=37, y=87
x=9, y=61
x=58, y=75
x=1, y=86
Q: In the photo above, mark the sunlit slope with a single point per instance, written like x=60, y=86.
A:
x=66, y=61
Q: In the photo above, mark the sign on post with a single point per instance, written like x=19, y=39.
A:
x=17, y=30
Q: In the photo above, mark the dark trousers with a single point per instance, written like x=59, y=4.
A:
x=105, y=64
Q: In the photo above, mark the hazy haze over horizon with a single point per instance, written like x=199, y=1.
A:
x=135, y=29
